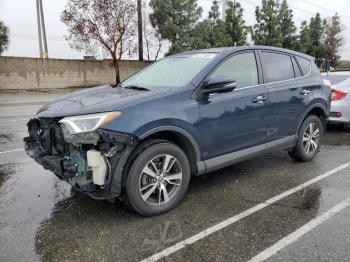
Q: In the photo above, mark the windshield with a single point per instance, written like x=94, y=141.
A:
x=172, y=71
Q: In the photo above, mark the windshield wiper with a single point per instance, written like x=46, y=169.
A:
x=134, y=87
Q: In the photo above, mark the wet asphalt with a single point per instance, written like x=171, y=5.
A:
x=42, y=219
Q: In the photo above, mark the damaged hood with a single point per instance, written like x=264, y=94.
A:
x=94, y=100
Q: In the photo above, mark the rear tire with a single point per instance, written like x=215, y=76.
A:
x=158, y=178
x=309, y=140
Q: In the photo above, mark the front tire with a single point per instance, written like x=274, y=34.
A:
x=309, y=140
x=157, y=179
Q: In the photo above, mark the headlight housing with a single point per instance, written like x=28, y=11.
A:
x=88, y=123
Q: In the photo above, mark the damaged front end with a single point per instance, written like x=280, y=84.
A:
x=87, y=160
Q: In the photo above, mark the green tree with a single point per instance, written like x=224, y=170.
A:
x=235, y=24
x=202, y=35
x=333, y=38
x=304, y=42
x=316, y=33
x=4, y=37
x=214, y=13
x=287, y=26
x=267, y=30
x=210, y=32
x=175, y=20
x=219, y=36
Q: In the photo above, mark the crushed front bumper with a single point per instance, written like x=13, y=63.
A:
x=65, y=155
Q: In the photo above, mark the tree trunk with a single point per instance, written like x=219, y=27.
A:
x=117, y=74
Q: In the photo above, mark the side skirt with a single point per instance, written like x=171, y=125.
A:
x=219, y=162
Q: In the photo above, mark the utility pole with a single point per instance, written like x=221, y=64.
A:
x=39, y=28
x=139, y=25
x=46, y=52
x=234, y=15
x=224, y=5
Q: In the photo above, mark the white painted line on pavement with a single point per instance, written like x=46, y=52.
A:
x=182, y=244
x=14, y=120
x=269, y=252
x=11, y=151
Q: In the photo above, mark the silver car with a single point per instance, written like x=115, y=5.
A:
x=340, y=107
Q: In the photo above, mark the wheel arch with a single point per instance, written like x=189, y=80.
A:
x=181, y=138
x=317, y=109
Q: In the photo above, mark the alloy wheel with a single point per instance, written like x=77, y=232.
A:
x=311, y=138
x=160, y=180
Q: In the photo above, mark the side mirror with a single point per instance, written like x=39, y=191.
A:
x=219, y=84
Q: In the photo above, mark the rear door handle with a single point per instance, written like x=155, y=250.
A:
x=305, y=92
x=259, y=99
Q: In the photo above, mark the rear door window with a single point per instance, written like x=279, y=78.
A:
x=304, y=65
x=277, y=67
x=241, y=67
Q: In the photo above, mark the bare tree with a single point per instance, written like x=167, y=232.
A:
x=107, y=23
x=153, y=41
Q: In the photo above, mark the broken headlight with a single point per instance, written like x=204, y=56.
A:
x=88, y=123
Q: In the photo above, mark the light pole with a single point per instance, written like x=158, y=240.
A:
x=224, y=5
x=139, y=26
x=39, y=28
x=46, y=52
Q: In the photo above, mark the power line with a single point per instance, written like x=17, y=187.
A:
x=31, y=36
x=324, y=8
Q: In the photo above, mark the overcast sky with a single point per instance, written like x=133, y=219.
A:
x=20, y=17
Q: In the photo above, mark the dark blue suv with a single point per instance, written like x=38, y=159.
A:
x=182, y=116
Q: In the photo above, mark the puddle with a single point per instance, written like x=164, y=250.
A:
x=5, y=172
x=337, y=136
x=23, y=205
x=6, y=137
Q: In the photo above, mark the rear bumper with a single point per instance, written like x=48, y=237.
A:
x=342, y=106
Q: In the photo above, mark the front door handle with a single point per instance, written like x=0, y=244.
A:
x=259, y=99
x=305, y=92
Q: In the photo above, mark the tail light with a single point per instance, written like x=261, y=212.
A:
x=337, y=94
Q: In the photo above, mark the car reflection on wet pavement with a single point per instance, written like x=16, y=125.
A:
x=41, y=218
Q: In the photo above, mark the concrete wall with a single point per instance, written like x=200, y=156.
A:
x=35, y=73
x=343, y=66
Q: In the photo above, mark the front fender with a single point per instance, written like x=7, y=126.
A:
x=192, y=135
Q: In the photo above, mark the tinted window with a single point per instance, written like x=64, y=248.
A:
x=304, y=65
x=242, y=68
x=277, y=67
x=296, y=68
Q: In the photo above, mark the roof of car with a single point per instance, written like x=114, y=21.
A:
x=240, y=48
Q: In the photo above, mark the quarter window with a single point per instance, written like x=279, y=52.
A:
x=304, y=65
x=277, y=67
x=242, y=68
x=296, y=68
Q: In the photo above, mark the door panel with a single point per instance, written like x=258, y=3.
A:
x=233, y=121
x=286, y=99
x=285, y=108
x=236, y=120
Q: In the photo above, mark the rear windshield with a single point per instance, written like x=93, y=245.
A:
x=336, y=79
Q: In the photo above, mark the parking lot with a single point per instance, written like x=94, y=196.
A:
x=269, y=207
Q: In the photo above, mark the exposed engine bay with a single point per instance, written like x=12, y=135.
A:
x=86, y=161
